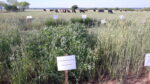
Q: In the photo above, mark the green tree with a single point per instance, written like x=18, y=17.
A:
x=127, y=9
x=11, y=2
x=11, y=8
x=2, y=3
x=146, y=9
x=23, y=5
x=74, y=7
x=16, y=4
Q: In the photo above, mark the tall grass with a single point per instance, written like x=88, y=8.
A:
x=121, y=48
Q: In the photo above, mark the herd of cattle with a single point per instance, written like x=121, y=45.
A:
x=74, y=11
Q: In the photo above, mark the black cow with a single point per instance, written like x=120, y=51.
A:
x=68, y=11
x=110, y=11
x=86, y=10
x=64, y=11
x=100, y=10
x=56, y=10
x=51, y=10
x=94, y=10
x=44, y=9
x=82, y=11
x=73, y=11
x=120, y=10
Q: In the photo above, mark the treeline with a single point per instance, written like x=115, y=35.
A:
x=13, y=5
x=123, y=9
x=146, y=9
x=120, y=9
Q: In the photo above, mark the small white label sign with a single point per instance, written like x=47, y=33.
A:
x=29, y=17
x=122, y=17
x=55, y=17
x=147, y=59
x=66, y=63
x=103, y=21
x=84, y=16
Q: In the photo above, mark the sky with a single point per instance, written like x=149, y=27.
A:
x=88, y=3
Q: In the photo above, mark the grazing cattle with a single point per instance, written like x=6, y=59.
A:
x=94, y=10
x=110, y=11
x=100, y=10
x=64, y=11
x=73, y=11
x=82, y=11
x=44, y=9
x=56, y=10
x=120, y=10
x=86, y=10
x=61, y=10
x=68, y=11
x=51, y=10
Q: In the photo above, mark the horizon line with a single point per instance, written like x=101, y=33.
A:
x=88, y=7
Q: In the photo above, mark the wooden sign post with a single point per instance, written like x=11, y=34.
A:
x=66, y=63
x=66, y=77
x=66, y=74
x=147, y=64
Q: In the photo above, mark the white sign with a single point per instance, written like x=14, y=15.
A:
x=29, y=17
x=143, y=21
x=122, y=17
x=147, y=60
x=84, y=16
x=103, y=21
x=55, y=17
x=66, y=63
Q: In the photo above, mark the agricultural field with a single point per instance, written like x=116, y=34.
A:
x=109, y=51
